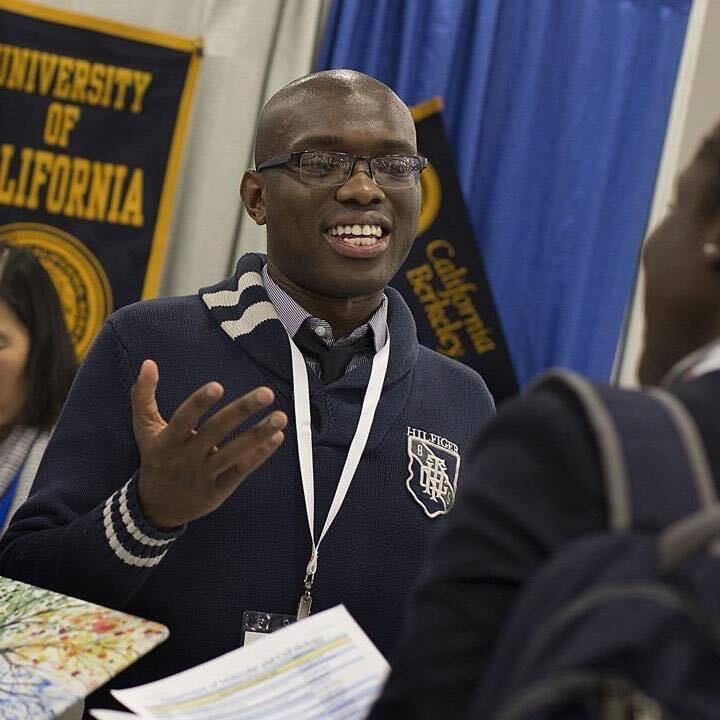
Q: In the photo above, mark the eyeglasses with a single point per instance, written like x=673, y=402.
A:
x=330, y=169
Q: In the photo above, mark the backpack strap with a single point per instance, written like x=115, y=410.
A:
x=650, y=452
x=694, y=446
x=609, y=444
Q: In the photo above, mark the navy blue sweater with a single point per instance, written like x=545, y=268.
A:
x=82, y=532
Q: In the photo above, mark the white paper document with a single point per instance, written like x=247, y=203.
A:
x=321, y=668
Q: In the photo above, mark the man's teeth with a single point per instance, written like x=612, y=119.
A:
x=358, y=234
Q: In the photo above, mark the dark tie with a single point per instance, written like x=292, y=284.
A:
x=335, y=358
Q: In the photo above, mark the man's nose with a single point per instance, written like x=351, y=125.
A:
x=360, y=187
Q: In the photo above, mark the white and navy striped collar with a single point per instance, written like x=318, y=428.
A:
x=241, y=318
x=242, y=308
x=292, y=315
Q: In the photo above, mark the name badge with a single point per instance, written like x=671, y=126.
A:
x=256, y=625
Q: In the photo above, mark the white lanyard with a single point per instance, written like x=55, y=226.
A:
x=303, y=430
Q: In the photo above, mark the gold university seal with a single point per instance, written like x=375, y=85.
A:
x=78, y=277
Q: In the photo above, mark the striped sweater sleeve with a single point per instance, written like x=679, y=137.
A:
x=82, y=531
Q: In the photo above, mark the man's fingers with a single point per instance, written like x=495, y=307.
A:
x=228, y=481
x=186, y=417
x=224, y=421
x=142, y=393
x=245, y=453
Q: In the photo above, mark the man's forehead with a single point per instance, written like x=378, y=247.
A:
x=350, y=112
x=354, y=122
x=353, y=135
x=382, y=142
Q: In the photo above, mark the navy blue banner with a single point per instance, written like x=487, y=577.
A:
x=444, y=280
x=92, y=118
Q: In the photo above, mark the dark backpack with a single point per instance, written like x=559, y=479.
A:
x=624, y=624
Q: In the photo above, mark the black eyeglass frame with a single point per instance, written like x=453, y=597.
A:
x=286, y=158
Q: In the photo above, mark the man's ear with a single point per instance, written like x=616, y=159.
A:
x=711, y=246
x=252, y=192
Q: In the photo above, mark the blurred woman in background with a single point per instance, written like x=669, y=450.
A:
x=37, y=365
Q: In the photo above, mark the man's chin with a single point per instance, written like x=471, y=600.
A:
x=361, y=283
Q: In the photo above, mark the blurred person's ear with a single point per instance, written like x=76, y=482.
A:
x=711, y=252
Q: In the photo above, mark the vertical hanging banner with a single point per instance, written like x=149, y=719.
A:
x=93, y=116
x=443, y=279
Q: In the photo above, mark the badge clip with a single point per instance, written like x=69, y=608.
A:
x=305, y=602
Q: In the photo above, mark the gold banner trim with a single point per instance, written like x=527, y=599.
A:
x=110, y=27
x=426, y=108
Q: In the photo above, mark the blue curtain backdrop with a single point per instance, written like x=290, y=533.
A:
x=556, y=111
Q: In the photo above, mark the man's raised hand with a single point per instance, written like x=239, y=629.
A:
x=185, y=471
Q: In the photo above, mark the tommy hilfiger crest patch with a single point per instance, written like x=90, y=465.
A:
x=434, y=467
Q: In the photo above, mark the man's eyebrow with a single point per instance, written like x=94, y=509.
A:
x=320, y=142
x=397, y=146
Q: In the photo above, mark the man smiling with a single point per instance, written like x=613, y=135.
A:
x=182, y=510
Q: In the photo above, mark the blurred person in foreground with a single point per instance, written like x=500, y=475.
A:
x=536, y=481
x=160, y=493
x=37, y=365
